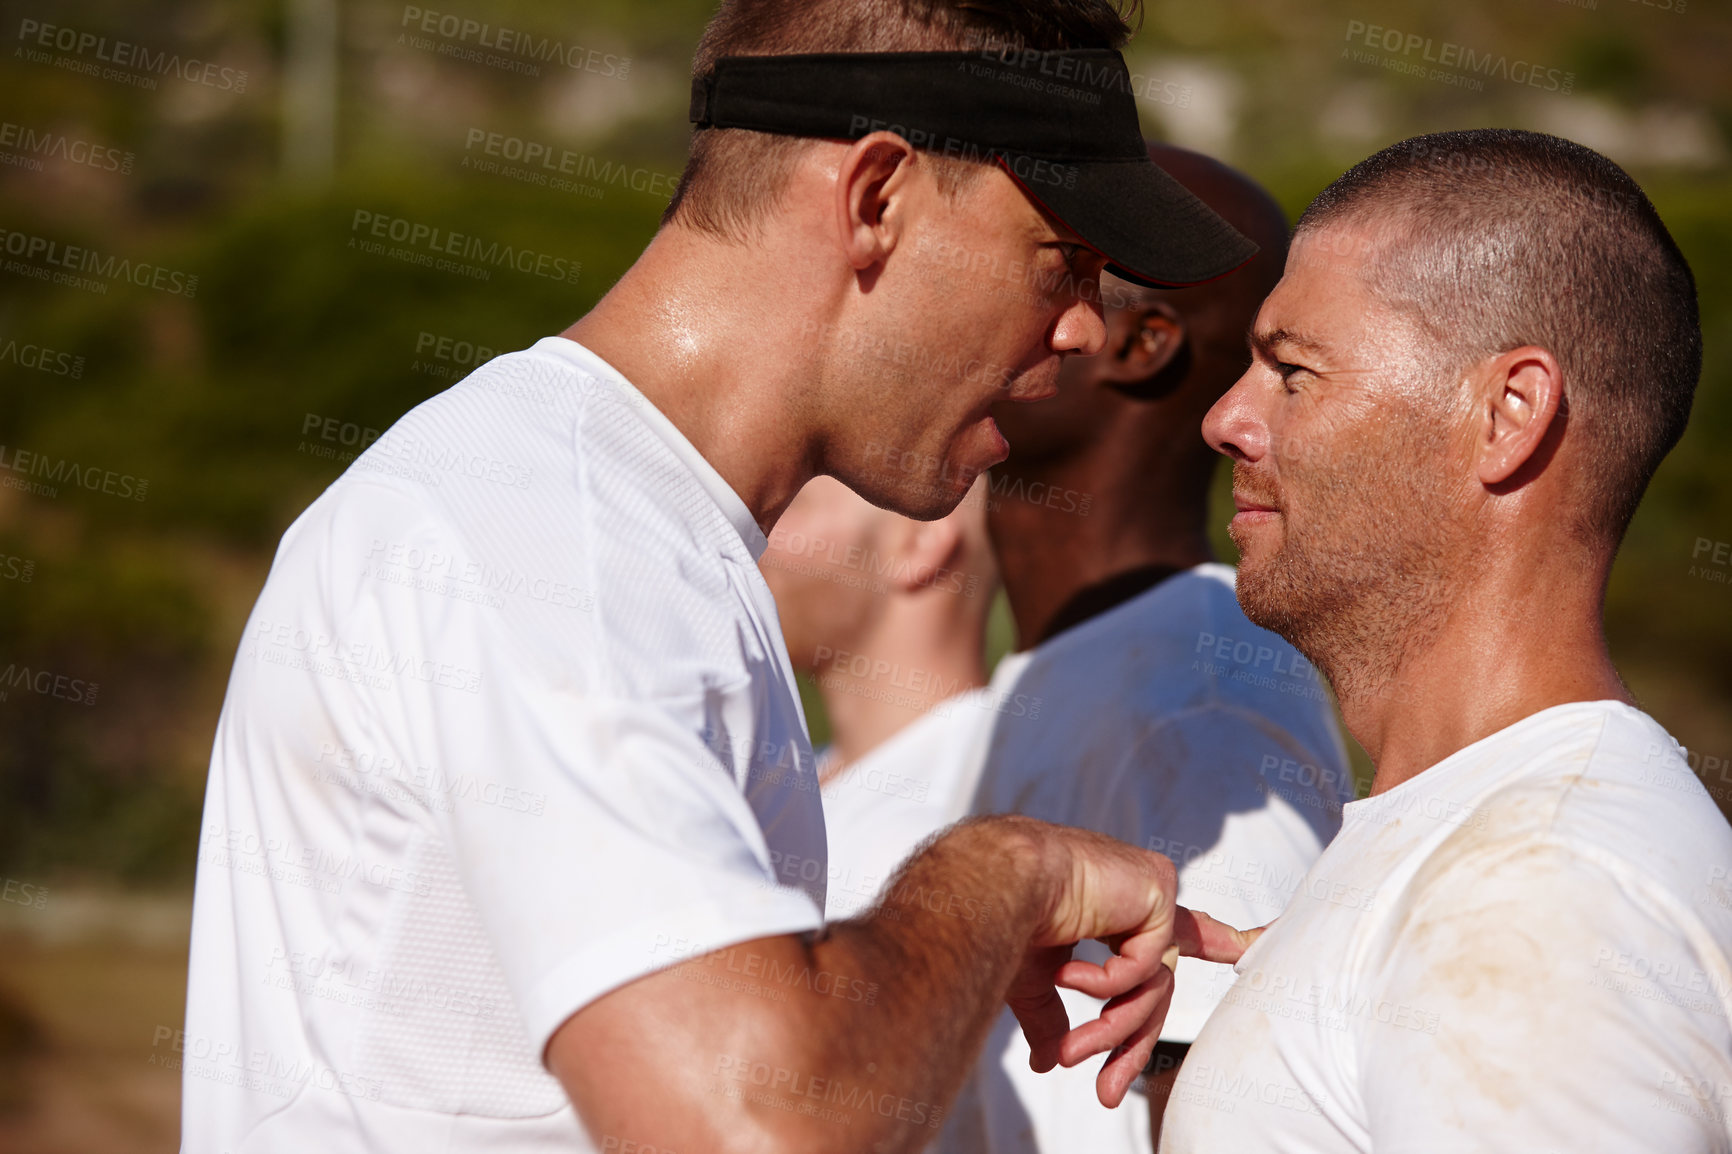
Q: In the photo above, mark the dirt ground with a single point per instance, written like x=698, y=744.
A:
x=90, y=995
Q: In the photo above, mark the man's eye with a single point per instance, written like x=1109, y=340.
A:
x=1068, y=251
x=1288, y=371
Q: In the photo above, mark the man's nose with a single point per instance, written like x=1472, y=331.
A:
x=1233, y=426
x=1080, y=330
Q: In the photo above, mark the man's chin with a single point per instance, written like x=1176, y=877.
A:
x=1261, y=594
x=922, y=498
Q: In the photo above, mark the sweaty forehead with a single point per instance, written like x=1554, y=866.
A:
x=1345, y=248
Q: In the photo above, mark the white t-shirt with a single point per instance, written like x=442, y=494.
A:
x=1173, y=723
x=1524, y=948
x=512, y=725
x=898, y=795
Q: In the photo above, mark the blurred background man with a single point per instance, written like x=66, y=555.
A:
x=1142, y=703
x=889, y=615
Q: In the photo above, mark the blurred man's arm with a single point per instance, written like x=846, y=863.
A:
x=1192, y=788
x=859, y=1040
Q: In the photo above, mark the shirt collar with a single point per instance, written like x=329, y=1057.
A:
x=728, y=501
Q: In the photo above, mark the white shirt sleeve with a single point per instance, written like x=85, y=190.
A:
x=619, y=845
x=1531, y=999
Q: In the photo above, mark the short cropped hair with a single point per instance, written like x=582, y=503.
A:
x=1502, y=238
x=734, y=176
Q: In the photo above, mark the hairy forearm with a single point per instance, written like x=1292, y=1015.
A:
x=858, y=1039
x=942, y=945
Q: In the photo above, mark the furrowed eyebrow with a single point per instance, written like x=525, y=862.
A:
x=1268, y=340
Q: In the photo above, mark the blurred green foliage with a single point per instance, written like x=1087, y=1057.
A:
x=209, y=398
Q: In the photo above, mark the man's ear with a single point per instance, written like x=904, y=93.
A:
x=1141, y=354
x=872, y=182
x=1521, y=415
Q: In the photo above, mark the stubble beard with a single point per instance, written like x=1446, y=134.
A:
x=1364, y=572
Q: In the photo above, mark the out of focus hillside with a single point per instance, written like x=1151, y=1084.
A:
x=220, y=383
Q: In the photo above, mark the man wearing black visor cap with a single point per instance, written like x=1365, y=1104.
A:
x=1063, y=124
x=627, y=920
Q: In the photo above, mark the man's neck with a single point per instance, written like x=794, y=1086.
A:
x=913, y=662
x=1067, y=557
x=1508, y=650
x=674, y=327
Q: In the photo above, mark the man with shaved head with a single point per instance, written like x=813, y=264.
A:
x=1483, y=345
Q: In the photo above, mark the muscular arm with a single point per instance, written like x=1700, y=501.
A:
x=691, y=1059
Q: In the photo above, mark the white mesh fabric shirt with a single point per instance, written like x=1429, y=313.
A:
x=512, y=724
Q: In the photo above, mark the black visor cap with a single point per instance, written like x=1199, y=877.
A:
x=1062, y=124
